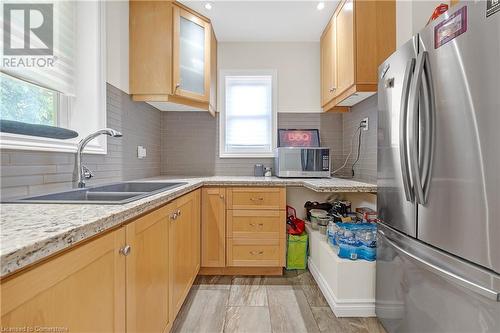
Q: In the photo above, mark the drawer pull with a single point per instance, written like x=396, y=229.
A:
x=260, y=225
x=256, y=253
x=257, y=199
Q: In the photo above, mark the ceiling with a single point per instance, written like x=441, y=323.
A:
x=270, y=21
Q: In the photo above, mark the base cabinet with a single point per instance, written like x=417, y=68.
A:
x=82, y=290
x=148, y=270
x=243, y=229
x=132, y=279
x=184, y=240
x=213, y=225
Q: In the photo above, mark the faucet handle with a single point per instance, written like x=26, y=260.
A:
x=87, y=174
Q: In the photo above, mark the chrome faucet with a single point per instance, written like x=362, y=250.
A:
x=82, y=172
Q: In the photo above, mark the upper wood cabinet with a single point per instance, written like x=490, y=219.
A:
x=172, y=57
x=148, y=288
x=192, y=37
x=82, y=290
x=328, y=74
x=213, y=227
x=364, y=36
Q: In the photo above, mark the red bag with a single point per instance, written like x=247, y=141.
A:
x=294, y=226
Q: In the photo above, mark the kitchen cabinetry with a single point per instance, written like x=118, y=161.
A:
x=172, y=56
x=213, y=225
x=249, y=236
x=184, y=241
x=132, y=279
x=256, y=227
x=328, y=74
x=148, y=272
x=364, y=36
x=82, y=290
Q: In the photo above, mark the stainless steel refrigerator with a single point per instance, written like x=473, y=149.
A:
x=438, y=256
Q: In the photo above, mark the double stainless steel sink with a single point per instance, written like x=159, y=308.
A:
x=119, y=193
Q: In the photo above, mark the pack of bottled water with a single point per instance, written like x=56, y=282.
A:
x=353, y=240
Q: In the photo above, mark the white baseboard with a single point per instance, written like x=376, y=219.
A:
x=342, y=308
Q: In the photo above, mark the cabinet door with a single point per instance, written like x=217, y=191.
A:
x=150, y=47
x=345, y=46
x=82, y=290
x=183, y=249
x=213, y=225
x=191, y=71
x=148, y=272
x=328, y=58
x=196, y=226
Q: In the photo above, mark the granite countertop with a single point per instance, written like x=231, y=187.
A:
x=32, y=232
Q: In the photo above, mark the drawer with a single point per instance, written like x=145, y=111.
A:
x=256, y=198
x=256, y=224
x=255, y=252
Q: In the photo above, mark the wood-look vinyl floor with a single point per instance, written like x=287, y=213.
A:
x=288, y=303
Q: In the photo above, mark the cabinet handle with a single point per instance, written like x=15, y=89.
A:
x=256, y=253
x=257, y=199
x=332, y=89
x=256, y=224
x=125, y=250
x=221, y=196
x=173, y=216
x=177, y=86
x=178, y=212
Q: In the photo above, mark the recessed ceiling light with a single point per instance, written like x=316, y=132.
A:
x=320, y=5
x=208, y=6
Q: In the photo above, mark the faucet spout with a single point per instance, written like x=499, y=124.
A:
x=80, y=174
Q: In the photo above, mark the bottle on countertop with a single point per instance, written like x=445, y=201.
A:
x=268, y=172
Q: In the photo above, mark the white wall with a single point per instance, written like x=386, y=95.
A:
x=412, y=16
x=117, y=44
x=297, y=64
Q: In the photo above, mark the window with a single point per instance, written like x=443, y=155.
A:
x=26, y=102
x=248, y=114
x=62, y=86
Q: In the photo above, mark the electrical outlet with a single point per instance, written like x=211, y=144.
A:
x=364, y=124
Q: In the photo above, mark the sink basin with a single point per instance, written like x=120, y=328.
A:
x=118, y=193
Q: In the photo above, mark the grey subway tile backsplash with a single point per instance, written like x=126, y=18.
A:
x=32, y=172
x=180, y=143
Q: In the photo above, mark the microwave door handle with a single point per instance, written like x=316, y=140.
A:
x=403, y=135
x=303, y=159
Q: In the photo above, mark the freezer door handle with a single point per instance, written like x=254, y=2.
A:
x=403, y=125
x=414, y=127
x=472, y=286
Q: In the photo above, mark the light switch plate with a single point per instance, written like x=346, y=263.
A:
x=141, y=152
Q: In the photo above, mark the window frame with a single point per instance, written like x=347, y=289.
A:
x=247, y=153
x=67, y=115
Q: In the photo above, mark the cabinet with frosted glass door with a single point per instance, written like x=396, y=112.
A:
x=191, y=55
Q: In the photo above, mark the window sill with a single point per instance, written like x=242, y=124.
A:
x=266, y=155
x=33, y=143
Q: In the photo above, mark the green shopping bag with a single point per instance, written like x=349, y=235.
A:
x=296, y=254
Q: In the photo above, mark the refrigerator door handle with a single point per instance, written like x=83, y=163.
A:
x=414, y=127
x=472, y=286
x=429, y=129
x=403, y=135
